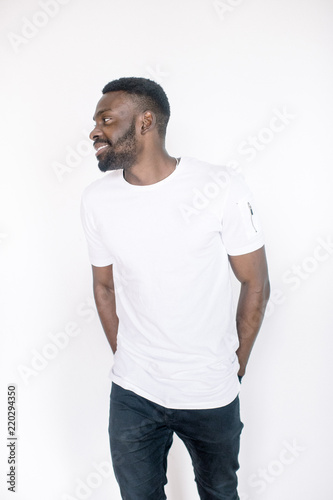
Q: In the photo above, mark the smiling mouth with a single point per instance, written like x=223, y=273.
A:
x=99, y=149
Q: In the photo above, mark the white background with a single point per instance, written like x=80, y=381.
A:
x=227, y=68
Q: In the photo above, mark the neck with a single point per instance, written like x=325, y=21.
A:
x=151, y=167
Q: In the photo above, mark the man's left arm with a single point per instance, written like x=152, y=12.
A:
x=251, y=270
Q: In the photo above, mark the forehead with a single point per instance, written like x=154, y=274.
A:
x=118, y=102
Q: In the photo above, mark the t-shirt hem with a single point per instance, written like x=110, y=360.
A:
x=101, y=263
x=246, y=249
x=204, y=405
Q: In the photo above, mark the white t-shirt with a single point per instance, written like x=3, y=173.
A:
x=169, y=244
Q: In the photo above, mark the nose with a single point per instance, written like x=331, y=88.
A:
x=95, y=133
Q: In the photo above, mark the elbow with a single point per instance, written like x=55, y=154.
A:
x=260, y=289
x=264, y=290
x=102, y=292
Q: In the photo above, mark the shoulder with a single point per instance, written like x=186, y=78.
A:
x=96, y=189
x=202, y=166
x=212, y=174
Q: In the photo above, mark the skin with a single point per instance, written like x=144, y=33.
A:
x=251, y=270
x=148, y=163
x=114, y=115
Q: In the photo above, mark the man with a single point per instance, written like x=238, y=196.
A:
x=162, y=235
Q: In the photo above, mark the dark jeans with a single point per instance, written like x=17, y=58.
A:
x=141, y=435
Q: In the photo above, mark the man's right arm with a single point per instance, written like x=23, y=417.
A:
x=105, y=302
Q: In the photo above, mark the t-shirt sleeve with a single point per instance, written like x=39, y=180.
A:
x=99, y=255
x=241, y=229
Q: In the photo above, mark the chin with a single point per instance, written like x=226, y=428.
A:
x=112, y=161
x=105, y=167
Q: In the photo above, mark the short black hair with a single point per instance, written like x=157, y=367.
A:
x=148, y=94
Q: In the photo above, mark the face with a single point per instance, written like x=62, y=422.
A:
x=114, y=135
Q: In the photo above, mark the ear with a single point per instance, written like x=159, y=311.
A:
x=148, y=122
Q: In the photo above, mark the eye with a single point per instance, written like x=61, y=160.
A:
x=107, y=119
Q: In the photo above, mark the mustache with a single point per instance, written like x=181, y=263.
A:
x=99, y=141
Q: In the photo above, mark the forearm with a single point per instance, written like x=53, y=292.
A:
x=250, y=314
x=106, y=307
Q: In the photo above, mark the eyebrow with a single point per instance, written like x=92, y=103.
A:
x=100, y=113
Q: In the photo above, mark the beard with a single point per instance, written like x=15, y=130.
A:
x=120, y=154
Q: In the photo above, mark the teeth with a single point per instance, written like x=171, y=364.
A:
x=102, y=147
